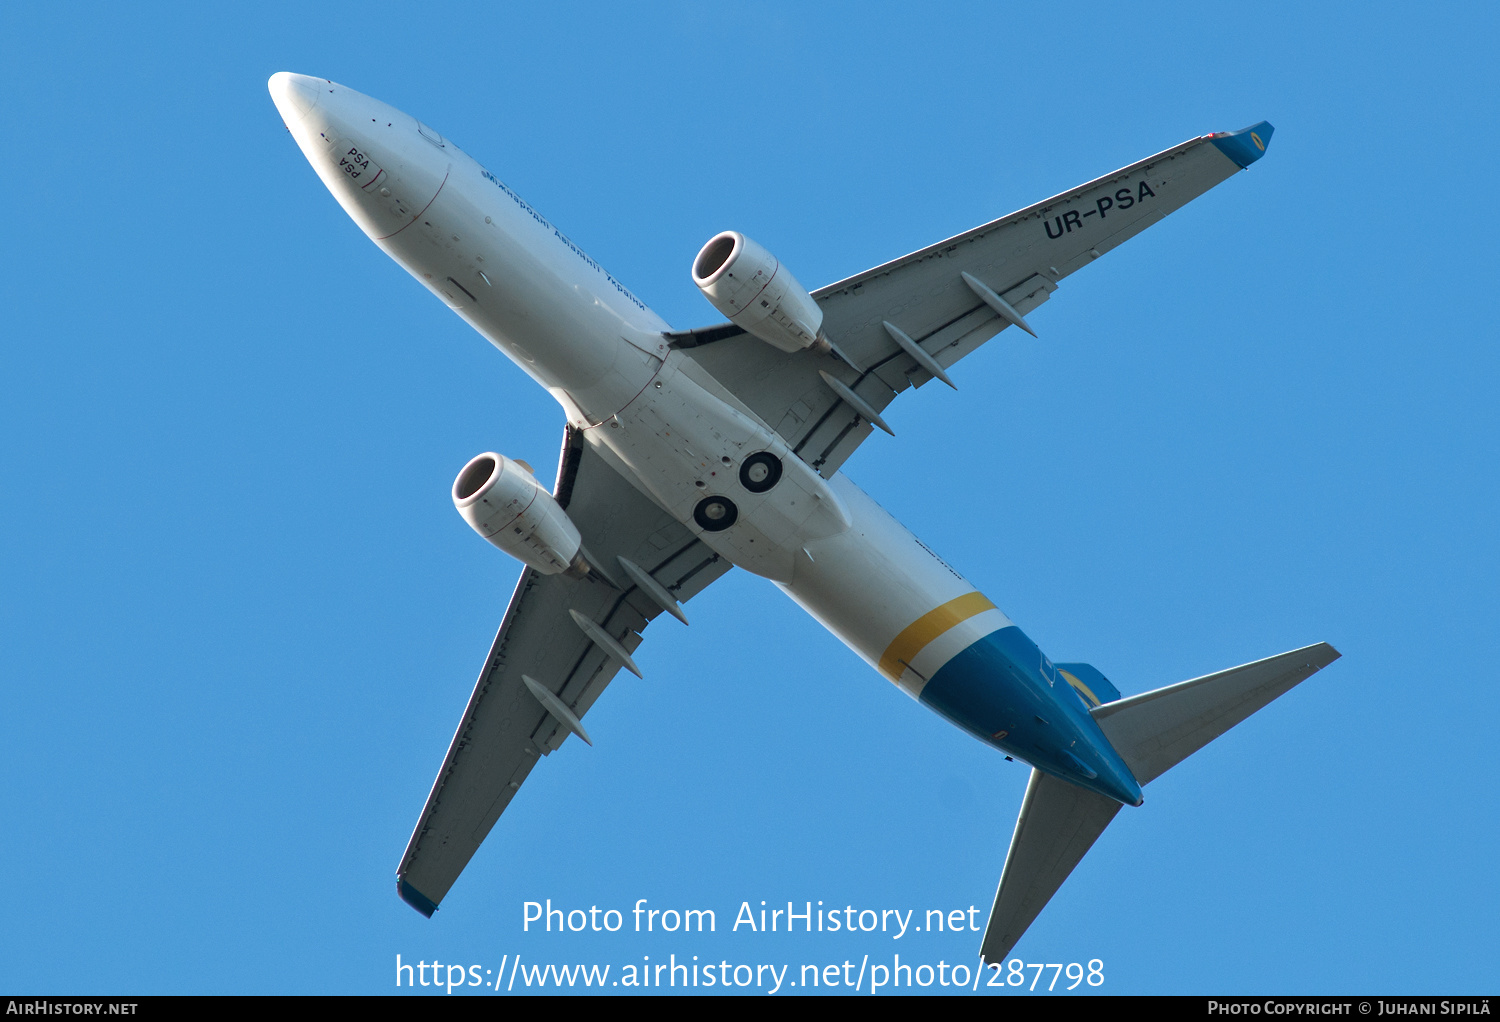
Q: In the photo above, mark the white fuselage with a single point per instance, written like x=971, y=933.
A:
x=652, y=412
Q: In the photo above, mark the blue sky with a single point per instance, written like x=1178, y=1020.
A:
x=239, y=616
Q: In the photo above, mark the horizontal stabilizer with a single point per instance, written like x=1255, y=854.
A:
x=1152, y=732
x=1059, y=822
x=1155, y=731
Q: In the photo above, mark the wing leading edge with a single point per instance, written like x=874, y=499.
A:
x=507, y=726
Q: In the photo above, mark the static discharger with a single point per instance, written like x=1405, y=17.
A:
x=854, y=401
x=1002, y=308
x=653, y=589
x=605, y=641
x=555, y=706
x=917, y=352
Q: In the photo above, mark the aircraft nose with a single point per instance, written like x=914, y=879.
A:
x=294, y=95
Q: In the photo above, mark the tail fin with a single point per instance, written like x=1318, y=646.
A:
x=1152, y=732
x=1088, y=682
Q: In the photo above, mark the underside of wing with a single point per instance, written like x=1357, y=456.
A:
x=560, y=643
x=951, y=297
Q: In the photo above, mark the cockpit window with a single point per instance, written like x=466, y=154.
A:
x=432, y=136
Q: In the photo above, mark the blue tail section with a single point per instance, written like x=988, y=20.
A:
x=1245, y=146
x=1086, y=680
x=1005, y=692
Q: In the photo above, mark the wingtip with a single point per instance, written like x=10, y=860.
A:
x=415, y=898
x=1319, y=654
x=1245, y=146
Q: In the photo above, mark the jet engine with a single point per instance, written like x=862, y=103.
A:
x=751, y=287
x=505, y=504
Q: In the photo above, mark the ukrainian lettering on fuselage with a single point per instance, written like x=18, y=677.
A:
x=1124, y=198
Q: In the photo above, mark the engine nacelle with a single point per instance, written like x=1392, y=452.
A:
x=505, y=504
x=751, y=287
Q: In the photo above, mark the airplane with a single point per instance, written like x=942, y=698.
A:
x=688, y=452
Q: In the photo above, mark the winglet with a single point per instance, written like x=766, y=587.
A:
x=415, y=898
x=1245, y=146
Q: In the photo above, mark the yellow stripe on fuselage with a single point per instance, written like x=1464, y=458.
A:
x=915, y=636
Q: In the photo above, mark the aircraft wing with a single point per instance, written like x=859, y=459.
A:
x=1012, y=264
x=506, y=728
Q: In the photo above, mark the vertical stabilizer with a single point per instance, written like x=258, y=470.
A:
x=1089, y=682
